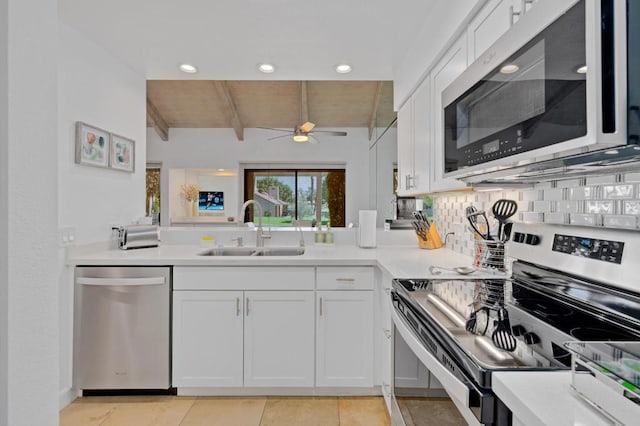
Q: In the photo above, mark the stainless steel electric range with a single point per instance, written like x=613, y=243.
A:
x=567, y=284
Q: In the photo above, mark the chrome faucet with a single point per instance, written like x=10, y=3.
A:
x=297, y=225
x=261, y=235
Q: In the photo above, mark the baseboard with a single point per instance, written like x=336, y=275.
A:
x=213, y=391
x=67, y=396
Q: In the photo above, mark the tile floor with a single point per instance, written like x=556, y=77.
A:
x=225, y=411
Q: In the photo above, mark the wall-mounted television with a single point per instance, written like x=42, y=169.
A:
x=211, y=201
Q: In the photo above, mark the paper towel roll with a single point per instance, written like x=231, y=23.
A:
x=367, y=228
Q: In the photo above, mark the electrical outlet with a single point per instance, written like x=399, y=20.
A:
x=66, y=236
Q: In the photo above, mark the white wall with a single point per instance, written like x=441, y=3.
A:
x=98, y=89
x=219, y=148
x=440, y=28
x=4, y=211
x=29, y=296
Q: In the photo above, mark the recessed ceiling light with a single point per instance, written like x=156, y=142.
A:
x=189, y=69
x=343, y=68
x=266, y=68
x=509, y=69
x=300, y=138
x=582, y=70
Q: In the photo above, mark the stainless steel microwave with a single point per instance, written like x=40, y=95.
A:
x=562, y=83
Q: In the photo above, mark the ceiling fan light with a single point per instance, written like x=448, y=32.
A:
x=266, y=68
x=343, y=69
x=300, y=138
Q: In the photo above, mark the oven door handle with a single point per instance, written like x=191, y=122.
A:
x=463, y=392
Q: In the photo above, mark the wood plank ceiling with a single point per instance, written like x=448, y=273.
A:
x=244, y=104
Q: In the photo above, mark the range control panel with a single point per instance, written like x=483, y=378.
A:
x=605, y=250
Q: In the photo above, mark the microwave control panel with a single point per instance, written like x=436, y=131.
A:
x=605, y=250
x=495, y=149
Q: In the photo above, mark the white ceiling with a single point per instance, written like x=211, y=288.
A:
x=226, y=39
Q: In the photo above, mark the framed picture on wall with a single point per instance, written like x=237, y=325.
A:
x=92, y=145
x=122, y=153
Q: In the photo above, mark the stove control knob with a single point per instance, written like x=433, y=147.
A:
x=531, y=338
x=518, y=330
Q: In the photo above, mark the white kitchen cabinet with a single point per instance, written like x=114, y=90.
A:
x=414, y=142
x=443, y=74
x=344, y=338
x=278, y=341
x=243, y=326
x=495, y=18
x=408, y=372
x=207, y=338
x=405, y=148
x=384, y=335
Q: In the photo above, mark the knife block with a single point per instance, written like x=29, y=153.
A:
x=433, y=240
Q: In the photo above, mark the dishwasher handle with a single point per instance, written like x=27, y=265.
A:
x=119, y=282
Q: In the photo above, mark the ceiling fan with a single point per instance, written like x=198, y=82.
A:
x=303, y=133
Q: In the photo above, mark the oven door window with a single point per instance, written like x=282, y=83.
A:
x=534, y=99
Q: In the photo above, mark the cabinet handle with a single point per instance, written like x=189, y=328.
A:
x=407, y=183
x=247, y=308
x=348, y=280
x=321, y=306
x=237, y=306
x=512, y=15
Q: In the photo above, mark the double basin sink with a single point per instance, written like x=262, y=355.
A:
x=253, y=251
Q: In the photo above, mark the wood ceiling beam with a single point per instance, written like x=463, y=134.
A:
x=304, y=103
x=159, y=124
x=374, y=108
x=223, y=88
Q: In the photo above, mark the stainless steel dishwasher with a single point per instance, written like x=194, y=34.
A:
x=122, y=327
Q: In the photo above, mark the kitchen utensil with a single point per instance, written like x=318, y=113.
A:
x=419, y=230
x=462, y=270
x=502, y=337
x=478, y=321
x=502, y=210
x=472, y=217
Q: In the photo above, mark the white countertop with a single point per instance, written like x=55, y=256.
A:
x=398, y=261
x=545, y=399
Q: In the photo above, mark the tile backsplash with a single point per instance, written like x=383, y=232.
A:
x=611, y=201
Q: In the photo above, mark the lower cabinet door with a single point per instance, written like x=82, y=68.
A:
x=207, y=338
x=278, y=338
x=345, y=338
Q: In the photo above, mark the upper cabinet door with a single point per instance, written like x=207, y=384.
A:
x=422, y=138
x=405, y=148
x=449, y=67
x=491, y=22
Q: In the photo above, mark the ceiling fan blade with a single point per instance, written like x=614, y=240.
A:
x=272, y=128
x=312, y=140
x=331, y=132
x=279, y=137
x=307, y=127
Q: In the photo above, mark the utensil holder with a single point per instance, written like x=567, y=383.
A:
x=433, y=240
x=489, y=254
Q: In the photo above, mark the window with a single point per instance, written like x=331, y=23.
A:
x=313, y=196
x=152, y=199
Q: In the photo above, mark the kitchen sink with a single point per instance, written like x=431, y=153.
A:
x=253, y=251
x=284, y=251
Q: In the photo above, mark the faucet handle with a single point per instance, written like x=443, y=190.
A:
x=239, y=240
